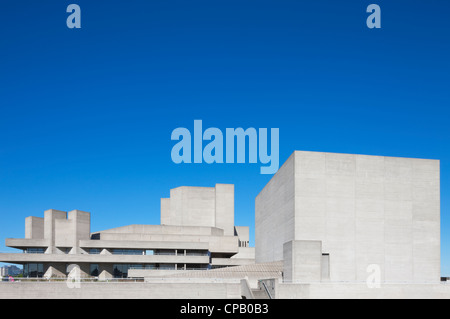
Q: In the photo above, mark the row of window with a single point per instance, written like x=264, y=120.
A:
x=243, y=243
x=36, y=270
x=169, y=252
x=121, y=270
x=97, y=251
x=34, y=250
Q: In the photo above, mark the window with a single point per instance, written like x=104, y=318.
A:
x=196, y=267
x=121, y=270
x=243, y=243
x=167, y=266
x=218, y=266
x=128, y=252
x=33, y=270
x=181, y=267
x=34, y=250
x=95, y=251
x=65, y=250
x=170, y=252
x=94, y=270
x=150, y=266
x=197, y=253
x=95, y=236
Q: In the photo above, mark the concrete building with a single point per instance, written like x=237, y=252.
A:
x=343, y=213
x=197, y=232
x=326, y=226
x=10, y=270
x=352, y=226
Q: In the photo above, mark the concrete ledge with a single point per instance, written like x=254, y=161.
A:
x=25, y=243
x=340, y=290
x=85, y=258
x=120, y=290
x=143, y=244
x=231, y=261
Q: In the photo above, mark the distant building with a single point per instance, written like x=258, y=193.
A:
x=10, y=270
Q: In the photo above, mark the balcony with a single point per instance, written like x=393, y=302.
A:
x=20, y=258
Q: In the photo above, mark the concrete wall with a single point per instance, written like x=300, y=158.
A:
x=243, y=232
x=302, y=261
x=68, y=232
x=274, y=214
x=102, y=258
x=191, y=206
x=121, y=290
x=64, y=233
x=365, y=209
x=224, y=210
x=202, y=289
x=200, y=206
x=34, y=227
x=81, y=226
x=50, y=217
x=361, y=291
x=224, y=244
x=115, y=233
x=245, y=253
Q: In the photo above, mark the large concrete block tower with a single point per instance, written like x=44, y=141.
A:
x=334, y=216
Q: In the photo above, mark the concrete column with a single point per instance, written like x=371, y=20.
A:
x=81, y=227
x=49, y=226
x=34, y=227
x=225, y=208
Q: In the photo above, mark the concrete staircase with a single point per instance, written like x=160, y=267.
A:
x=260, y=294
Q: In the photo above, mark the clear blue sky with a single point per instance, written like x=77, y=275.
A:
x=86, y=115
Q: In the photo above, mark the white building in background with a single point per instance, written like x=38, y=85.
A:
x=326, y=226
x=10, y=270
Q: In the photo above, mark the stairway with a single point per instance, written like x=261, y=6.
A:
x=260, y=294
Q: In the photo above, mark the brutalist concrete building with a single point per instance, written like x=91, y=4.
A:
x=197, y=232
x=337, y=220
x=326, y=226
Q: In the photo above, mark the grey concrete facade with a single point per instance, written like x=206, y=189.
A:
x=365, y=210
x=189, y=239
x=326, y=226
x=200, y=206
x=122, y=290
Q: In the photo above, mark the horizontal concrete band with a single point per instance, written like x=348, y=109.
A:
x=223, y=244
x=26, y=243
x=231, y=261
x=109, y=244
x=122, y=290
x=85, y=258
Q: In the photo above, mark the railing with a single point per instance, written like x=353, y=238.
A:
x=197, y=254
x=263, y=283
x=164, y=253
x=195, y=269
x=60, y=279
x=159, y=268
